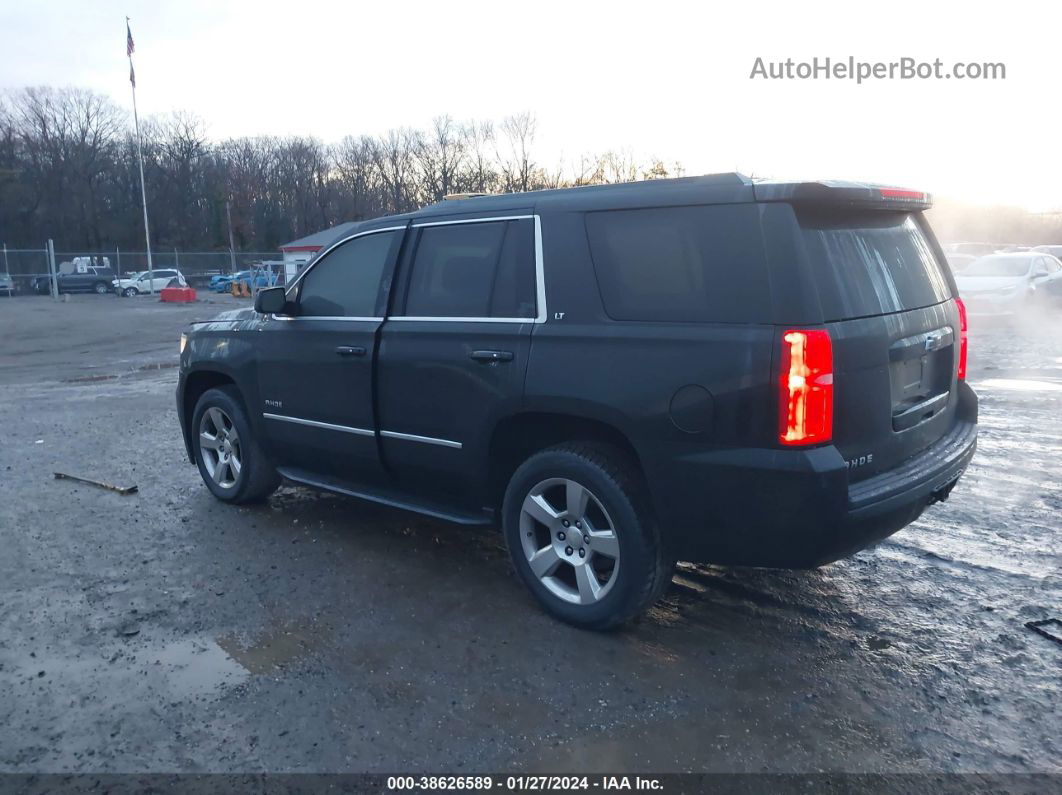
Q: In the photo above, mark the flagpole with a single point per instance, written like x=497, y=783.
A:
x=140, y=159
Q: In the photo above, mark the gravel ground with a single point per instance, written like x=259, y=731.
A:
x=165, y=631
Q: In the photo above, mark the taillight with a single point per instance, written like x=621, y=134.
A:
x=962, y=338
x=901, y=193
x=806, y=388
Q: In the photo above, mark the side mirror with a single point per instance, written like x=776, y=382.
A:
x=271, y=301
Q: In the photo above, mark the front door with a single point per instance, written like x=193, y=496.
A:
x=315, y=367
x=454, y=351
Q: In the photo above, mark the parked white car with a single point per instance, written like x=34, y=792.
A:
x=138, y=284
x=1002, y=284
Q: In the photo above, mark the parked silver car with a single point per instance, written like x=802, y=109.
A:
x=1003, y=284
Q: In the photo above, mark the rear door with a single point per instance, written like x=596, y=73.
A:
x=454, y=351
x=1048, y=277
x=162, y=278
x=886, y=299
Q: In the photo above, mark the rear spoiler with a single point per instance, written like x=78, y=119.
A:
x=851, y=194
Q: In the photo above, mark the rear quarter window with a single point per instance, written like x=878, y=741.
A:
x=871, y=262
x=700, y=264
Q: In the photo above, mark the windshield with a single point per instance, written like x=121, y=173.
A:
x=998, y=266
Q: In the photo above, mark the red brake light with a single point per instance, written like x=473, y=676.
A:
x=963, y=346
x=901, y=193
x=806, y=388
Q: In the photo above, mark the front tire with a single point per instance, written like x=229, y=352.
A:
x=582, y=536
x=100, y=288
x=230, y=460
x=129, y=292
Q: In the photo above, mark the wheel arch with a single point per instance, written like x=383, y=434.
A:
x=196, y=383
x=518, y=436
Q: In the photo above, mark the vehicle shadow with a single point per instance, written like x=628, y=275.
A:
x=700, y=597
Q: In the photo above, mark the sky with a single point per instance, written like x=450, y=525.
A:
x=656, y=79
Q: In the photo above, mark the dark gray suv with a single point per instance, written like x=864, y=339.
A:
x=93, y=279
x=708, y=369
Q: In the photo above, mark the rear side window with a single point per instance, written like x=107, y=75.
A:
x=871, y=263
x=681, y=263
x=346, y=282
x=474, y=270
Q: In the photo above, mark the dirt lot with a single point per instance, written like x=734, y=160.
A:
x=168, y=632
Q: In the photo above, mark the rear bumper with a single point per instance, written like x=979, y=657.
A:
x=796, y=509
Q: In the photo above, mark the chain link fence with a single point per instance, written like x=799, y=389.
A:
x=23, y=265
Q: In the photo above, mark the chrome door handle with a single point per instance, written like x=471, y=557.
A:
x=350, y=350
x=491, y=356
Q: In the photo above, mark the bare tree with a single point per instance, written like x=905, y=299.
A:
x=479, y=142
x=68, y=139
x=514, y=152
x=441, y=157
x=183, y=200
x=68, y=170
x=393, y=155
x=361, y=184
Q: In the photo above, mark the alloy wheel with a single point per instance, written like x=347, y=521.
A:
x=219, y=443
x=569, y=541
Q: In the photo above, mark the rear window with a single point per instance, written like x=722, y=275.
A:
x=681, y=263
x=871, y=263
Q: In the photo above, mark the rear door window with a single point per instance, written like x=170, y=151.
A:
x=700, y=264
x=871, y=262
x=476, y=270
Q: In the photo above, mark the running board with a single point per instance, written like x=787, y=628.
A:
x=392, y=498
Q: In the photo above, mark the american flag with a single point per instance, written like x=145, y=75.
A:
x=129, y=48
x=132, y=76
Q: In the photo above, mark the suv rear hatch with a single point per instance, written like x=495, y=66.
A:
x=886, y=300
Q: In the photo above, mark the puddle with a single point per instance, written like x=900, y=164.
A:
x=274, y=650
x=195, y=667
x=179, y=670
x=1022, y=385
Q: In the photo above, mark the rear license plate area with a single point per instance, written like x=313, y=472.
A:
x=920, y=372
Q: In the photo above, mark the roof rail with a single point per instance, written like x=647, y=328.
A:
x=456, y=196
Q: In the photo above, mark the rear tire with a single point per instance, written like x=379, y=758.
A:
x=100, y=288
x=608, y=564
x=230, y=460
